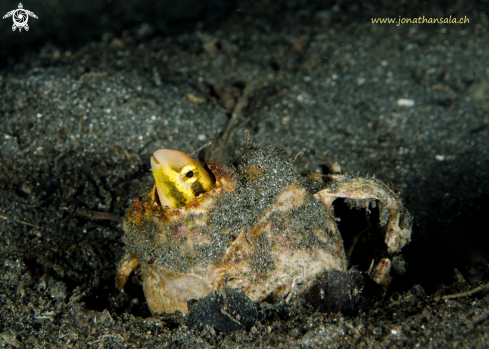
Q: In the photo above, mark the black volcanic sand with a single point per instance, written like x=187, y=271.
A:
x=78, y=127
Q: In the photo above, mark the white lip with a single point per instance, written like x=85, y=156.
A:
x=170, y=156
x=154, y=163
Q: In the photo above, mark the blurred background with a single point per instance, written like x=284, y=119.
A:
x=71, y=24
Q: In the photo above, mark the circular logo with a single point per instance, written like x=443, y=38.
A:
x=20, y=17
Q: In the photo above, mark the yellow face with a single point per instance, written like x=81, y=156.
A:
x=179, y=178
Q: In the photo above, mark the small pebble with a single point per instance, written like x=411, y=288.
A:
x=404, y=102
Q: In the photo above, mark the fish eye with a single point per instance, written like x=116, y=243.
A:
x=189, y=174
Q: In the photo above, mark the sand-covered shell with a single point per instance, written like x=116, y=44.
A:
x=264, y=229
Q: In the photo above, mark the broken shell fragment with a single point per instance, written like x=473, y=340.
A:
x=260, y=228
x=360, y=192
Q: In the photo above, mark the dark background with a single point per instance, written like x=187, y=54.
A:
x=92, y=89
x=72, y=24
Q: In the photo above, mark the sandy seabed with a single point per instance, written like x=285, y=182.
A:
x=407, y=103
